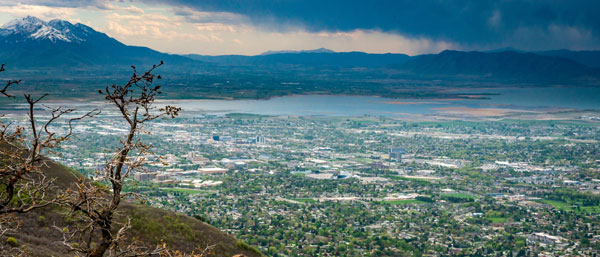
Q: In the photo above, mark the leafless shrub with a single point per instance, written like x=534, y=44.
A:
x=8, y=84
x=23, y=185
x=96, y=205
x=199, y=252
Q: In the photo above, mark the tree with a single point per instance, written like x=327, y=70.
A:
x=23, y=185
x=101, y=233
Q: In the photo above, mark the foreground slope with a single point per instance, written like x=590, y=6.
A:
x=151, y=226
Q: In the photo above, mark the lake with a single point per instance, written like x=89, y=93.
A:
x=501, y=100
x=536, y=99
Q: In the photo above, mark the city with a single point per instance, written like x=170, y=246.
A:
x=310, y=185
x=236, y=128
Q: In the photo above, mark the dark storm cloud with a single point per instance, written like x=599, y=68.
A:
x=527, y=24
x=469, y=23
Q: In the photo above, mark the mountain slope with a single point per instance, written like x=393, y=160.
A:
x=307, y=58
x=506, y=65
x=71, y=54
x=320, y=50
x=588, y=58
x=32, y=43
x=149, y=225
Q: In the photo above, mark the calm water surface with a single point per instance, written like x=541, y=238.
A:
x=504, y=98
x=541, y=99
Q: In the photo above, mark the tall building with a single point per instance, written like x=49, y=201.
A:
x=197, y=158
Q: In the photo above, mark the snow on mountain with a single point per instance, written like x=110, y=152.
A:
x=32, y=28
x=30, y=42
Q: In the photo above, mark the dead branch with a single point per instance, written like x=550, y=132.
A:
x=97, y=205
x=8, y=84
x=23, y=185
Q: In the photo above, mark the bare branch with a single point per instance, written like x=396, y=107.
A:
x=8, y=84
x=24, y=185
x=97, y=204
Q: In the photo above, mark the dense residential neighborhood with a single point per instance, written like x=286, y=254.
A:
x=295, y=185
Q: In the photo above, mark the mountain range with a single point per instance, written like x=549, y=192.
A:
x=33, y=44
x=307, y=58
x=508, y=65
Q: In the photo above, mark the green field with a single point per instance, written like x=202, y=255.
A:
x=305, y=200
x=460, y=195
x=403, y=201
x=189, y=191
x=570, y=207
x=497, y=219
x=558, y=205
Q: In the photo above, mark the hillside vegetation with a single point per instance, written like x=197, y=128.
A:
x=150, y=226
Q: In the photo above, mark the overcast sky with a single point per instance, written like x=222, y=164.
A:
x=377, y=26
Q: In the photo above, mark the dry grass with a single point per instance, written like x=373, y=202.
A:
x=152, y=226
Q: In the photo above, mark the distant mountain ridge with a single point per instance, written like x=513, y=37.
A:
x=500, y=65
x=33, y=29
x=588, y=58
x=320, y=50
x=308, y=58
x=33, y=43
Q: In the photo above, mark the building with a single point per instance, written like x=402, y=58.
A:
x=396, y=153
x=162, y=177
x=547, y=239
x=144, y=176
x=212, y=171
x=321, y=175
x=260, y=139
x=197, y=158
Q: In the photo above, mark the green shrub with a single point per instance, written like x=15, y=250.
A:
x=200, y=218
x=424, y=199
x=12, y=241
x=41, y=220
x=244, y=246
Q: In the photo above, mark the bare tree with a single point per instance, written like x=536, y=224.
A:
x=8, y=223
x=23, y=185
x=101, y=233
x=8, y=84
x=199, y=252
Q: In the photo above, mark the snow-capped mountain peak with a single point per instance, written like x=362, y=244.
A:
x=32, y=28
x=25, y=24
